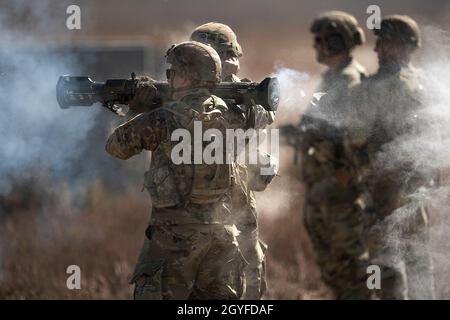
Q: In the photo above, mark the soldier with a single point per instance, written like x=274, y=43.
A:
x=331, y=216
x=222, y=38
x=191, y=250
x=393, y=118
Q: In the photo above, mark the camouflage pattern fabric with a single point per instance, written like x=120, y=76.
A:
x=244, y=205
x=245, y=216
x=332, y=215
x=191, y=261
x=398, y=244
x=397, y=223
x=168, y=184
x=191, y=249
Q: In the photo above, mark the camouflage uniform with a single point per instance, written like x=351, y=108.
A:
x=244, y=209
x=224, y=41
x=190, y=249
x=332, y=217
x=396, y=222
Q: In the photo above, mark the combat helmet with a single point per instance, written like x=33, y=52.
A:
x=199, y=61
x=399, y=28
x=220, y=36
x=339, y=24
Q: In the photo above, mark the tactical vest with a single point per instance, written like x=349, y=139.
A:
x=171, y=184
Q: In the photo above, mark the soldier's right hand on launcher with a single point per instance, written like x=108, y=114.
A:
x=144, y=96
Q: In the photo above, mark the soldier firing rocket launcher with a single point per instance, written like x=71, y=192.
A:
x=82, y=91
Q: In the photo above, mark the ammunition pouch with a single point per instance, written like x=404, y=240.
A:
x=160, y=184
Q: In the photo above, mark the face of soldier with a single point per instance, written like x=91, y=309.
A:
x=230, y=66
x=318, y=45
x=177, y=82
x=390, y=52
x=323, y=53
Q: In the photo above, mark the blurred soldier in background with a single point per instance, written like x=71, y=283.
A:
x=393, y=121
x=332, y=217
x=191, y=249
x=222, y=38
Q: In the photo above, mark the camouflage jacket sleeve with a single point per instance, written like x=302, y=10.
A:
x=145, y=131
x=258, y=117
x=252, y=117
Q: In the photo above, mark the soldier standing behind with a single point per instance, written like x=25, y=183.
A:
x=222, y=38
x=332, y=218
x=393, y=118
x=191, y=250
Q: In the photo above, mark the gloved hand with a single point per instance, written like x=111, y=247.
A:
x=260, y=175
x=144, y=96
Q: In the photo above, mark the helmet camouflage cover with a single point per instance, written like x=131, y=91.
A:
x=199, y=61
x=341, y=23
x=400, y=28
x=220, y=36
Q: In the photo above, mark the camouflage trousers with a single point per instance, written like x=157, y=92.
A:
x=335, y=230
x=253, y=250
x=192, y=261
x=245, y=217
x=399, y=245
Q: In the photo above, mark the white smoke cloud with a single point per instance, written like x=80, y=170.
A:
x=35, y=132
x=435, y=62
x=428, y=149
x=283, y=191
x=293, y=91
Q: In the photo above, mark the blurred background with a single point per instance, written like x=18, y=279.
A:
x=64, y=201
